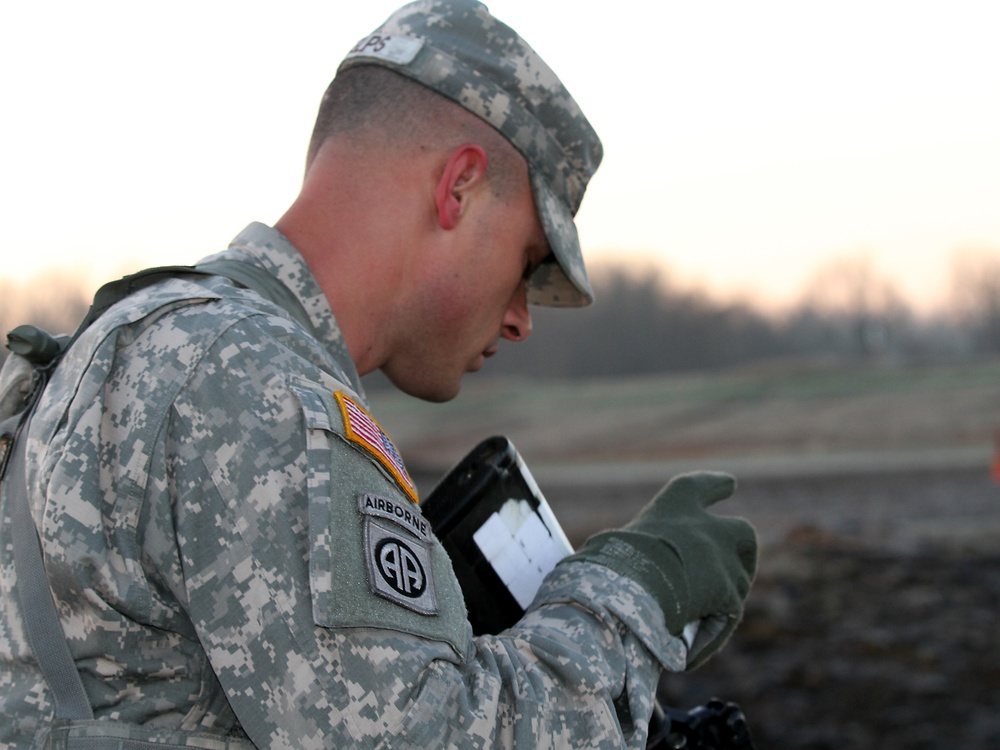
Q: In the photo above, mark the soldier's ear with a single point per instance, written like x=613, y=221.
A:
x=464, y=170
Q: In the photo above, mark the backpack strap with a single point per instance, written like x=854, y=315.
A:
x=41, y=619
x=262, y=282
x=39, y=353
x=244, y=274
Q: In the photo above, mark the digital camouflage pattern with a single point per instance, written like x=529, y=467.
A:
x=459, y=50
x=213, y=560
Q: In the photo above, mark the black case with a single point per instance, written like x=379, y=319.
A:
x=476, y=488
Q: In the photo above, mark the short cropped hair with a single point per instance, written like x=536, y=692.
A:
x=372, y=102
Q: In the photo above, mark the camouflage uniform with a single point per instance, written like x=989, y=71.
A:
x=212, y=521
x=234, y=545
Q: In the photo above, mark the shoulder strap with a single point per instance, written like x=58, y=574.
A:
x=245, y=274
x=262, y=282
x=41, y=619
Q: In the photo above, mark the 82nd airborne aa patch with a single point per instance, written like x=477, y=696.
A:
x=398, y=554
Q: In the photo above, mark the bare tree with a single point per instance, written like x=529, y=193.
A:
x=871, y=308
x=976, y=295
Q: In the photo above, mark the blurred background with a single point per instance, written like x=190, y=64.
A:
x=795, y=243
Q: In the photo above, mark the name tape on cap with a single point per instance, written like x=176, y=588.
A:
x=400, y=50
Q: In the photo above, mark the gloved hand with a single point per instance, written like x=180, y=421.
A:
x=697, y=565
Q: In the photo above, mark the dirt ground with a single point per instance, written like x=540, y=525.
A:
x=873, y=621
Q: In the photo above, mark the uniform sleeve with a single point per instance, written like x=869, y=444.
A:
x=331, y=615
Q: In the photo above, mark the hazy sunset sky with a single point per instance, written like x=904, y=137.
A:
x=747, y=144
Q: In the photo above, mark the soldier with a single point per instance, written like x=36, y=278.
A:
x=234, y=545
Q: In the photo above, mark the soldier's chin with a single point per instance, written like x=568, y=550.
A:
x=426, y=387
x=477, y=364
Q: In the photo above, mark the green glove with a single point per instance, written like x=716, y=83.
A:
x=697, y=565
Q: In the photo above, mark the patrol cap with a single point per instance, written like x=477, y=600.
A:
x=457, y=49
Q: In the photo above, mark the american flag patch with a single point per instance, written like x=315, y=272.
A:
x=364, y=431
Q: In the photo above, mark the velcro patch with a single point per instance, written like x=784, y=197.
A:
x=399, y=568
x=364, y=431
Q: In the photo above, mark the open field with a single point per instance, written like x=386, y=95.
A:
x=793, y=415
x=893, y=455
x=873, y=619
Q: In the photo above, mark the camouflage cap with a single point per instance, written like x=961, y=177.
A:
x=456, y=48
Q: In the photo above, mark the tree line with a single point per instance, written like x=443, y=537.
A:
x=644, y=323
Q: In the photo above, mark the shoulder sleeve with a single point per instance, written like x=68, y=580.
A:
x=373, y=560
